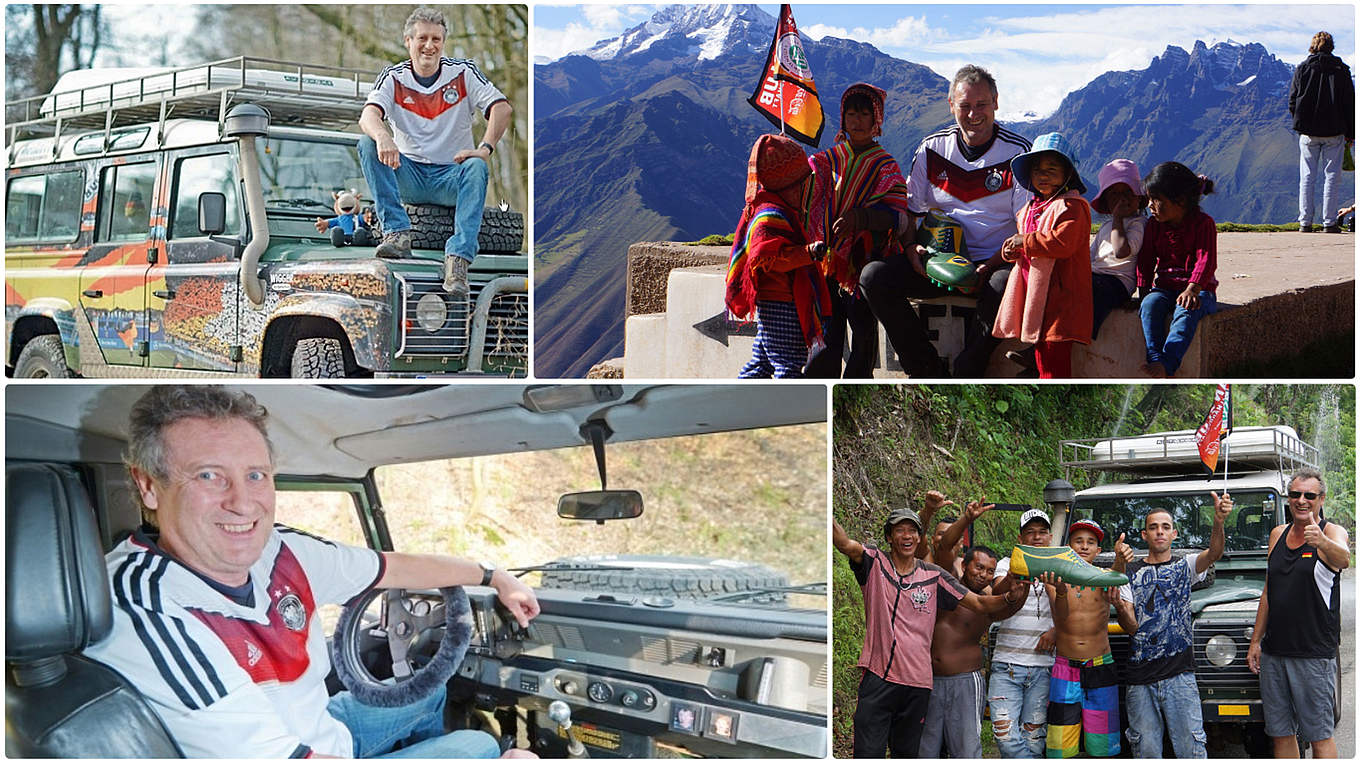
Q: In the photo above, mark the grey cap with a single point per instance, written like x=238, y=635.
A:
x=1032, y=515
x=898, y=515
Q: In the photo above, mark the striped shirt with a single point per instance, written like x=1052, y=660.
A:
x=235, y=678
x=1019, y=634
x=899, y=616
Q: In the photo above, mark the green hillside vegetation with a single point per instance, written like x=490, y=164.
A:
x=1000, y=443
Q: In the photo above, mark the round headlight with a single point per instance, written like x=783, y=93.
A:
x=1221, y=650
x=431, y=313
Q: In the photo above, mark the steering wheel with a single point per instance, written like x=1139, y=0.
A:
x=406, y=619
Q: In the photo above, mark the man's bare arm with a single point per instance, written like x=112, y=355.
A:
x=845, y=544
x=1222, y=508
x=932, y=503
x=437, y=570
x=497, y=121
x=371, y=122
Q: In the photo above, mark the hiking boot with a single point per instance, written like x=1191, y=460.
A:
x=455, y=276
x=1029, y=562
x=1333, y=228
x=395, y=245
x=1305, y=228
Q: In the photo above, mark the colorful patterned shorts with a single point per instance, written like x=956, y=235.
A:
x=1085, y=694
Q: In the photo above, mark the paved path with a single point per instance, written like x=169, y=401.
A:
x=1256, y=264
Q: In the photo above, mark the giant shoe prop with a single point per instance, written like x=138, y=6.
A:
x=1030, y=562
x=947, y=263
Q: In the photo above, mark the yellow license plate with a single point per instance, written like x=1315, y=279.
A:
x=1234, y=709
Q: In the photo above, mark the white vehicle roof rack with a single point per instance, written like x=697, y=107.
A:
x=301, y=94
x=1248, y=448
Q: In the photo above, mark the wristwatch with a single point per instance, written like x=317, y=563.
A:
x=487, y=570
x=489, y=147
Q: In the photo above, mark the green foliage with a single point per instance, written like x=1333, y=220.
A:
x=723, y=240
x=1240, y=227
x=999, y=443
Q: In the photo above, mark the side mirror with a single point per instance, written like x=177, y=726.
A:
x=600, y=505
x=212, y=213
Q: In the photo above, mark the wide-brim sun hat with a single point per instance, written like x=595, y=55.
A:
x=1120, y=170
x=1052, y=142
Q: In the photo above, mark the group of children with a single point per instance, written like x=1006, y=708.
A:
x=1063, y=285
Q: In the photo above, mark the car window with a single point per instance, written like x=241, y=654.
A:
x=202, y=174
x=125, y=197
x=44, y=208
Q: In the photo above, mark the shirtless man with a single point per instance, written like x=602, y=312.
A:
x=954, y=718
x=1083, y=688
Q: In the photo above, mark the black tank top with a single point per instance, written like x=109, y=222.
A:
x=1305, y=602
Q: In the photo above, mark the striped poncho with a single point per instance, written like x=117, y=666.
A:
x=848, y=180
x=770, y=244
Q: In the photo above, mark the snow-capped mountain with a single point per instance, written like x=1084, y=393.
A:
x=702, y=31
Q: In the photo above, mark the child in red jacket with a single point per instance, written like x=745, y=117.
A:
x=772, y=269
x=1048, y=296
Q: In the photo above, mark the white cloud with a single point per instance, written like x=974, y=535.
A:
x=599, y=22
x=902, y=36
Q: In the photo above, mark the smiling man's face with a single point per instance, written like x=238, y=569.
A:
x=215, y=507
x=974, y=108
x=426, y=46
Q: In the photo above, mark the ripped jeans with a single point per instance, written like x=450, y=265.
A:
x=1017, y=697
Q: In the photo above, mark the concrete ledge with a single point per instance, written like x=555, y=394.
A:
x=649, y=268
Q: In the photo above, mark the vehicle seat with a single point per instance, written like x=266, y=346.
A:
x=58, y=703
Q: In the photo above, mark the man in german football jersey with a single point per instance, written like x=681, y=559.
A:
x=215, y=606
x=429, y=155
x=965, y=171
x=1294, y=644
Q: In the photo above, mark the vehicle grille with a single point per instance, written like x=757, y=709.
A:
x=507, y=330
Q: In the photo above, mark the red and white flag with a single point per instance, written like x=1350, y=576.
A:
x=1217, y=423
x=786, y=94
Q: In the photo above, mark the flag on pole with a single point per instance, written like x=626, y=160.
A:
x=786, y=94
x=1211, y=432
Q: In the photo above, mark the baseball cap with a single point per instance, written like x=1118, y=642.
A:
x=1090, y=525
x=1032, y=515
x=898, y=515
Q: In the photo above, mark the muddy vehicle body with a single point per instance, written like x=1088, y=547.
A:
x=163, y=226
x=1163, y=470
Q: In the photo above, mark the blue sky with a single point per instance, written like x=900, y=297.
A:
x=1038, y=53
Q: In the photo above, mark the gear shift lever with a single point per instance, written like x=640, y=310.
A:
x=560, y=713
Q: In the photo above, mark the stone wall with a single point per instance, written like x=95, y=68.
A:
x=649, y=268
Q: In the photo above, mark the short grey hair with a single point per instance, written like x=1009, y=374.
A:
x=426, y=15
x=971, y=74
x=1313, y=473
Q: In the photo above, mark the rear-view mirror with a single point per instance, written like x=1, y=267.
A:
x=600, y=505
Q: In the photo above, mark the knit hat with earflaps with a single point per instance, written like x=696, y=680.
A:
x=875, y=96
x=1023, y=164
x=777, y=162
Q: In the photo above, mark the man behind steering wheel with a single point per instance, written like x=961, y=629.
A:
x=215, y=616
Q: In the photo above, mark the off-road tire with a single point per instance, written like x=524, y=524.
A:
x=685, y=578
x=43, y=356
x=318, y=358
x=431, y=226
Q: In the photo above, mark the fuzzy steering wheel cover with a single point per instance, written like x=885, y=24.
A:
x=371, y=691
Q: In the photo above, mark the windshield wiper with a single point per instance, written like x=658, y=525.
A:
x=297, y=202
x=562, y=567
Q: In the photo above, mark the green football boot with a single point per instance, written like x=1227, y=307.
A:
x=1030, y=562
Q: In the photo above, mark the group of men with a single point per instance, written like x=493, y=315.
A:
x=1052, y=674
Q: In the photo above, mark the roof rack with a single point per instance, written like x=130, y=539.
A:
x=1248, y=448
x=302, y=94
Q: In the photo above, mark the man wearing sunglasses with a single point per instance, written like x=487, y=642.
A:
x=1298, y=622
x=1161, y=669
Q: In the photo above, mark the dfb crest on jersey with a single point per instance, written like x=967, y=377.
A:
x=993, y=181
x=292, y=612
x=452, y=95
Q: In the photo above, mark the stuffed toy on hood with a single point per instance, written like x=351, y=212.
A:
x=348, y=226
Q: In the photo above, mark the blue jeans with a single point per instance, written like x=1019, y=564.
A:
x=420, y=727
x=1324, y=153
x=1018, y=695
x=1164, y=345
x=460, y=185
x=1171, y=704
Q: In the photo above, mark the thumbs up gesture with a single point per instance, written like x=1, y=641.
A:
x=1312, y=532
x=1123, y=554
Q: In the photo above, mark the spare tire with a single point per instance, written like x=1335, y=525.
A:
x=660, y=575
x=431, y=225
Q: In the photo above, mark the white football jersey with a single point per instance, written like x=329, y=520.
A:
x=431, y=124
